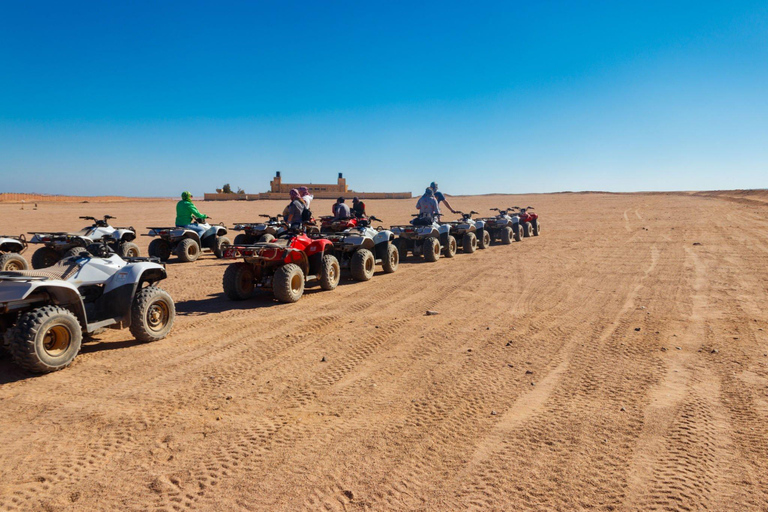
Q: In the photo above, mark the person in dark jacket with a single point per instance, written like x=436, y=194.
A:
x=358, y=207
x=295, y=209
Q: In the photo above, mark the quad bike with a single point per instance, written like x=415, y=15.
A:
x=425, y=236
x=11, y=248
x=330, y=224
x=472, y=232
x=58, y=245
x=186, y=243
x=361, y=248
x=283, y=265
x=505, y=227
x=45, y=314
x=529, y=221
x=259, y=232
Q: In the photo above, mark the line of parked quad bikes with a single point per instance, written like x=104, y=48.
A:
x=84, y=282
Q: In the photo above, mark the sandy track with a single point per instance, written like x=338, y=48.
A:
x=532, y=390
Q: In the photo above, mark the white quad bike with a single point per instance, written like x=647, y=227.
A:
x=253, y=232
x=472, y=232
x=58, y=245
x=361, y=248
x=45, y=314
x=186, y=243
x=11, y=248
x=425, y=236
x=505, y=227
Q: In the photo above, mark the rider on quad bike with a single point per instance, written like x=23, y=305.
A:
x=185, y=211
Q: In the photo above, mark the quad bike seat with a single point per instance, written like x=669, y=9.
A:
x=63, y=270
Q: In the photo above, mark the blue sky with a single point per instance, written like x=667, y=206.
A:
x=151, y=98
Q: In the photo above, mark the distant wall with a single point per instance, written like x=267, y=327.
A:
x=8, y=197
x=319, y=194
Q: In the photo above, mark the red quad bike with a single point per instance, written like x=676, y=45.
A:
x=530, y=222
x=330, y=224
x=285, y=265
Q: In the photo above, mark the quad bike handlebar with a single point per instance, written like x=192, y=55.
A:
x=371, y=217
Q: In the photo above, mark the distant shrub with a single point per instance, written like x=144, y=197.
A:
x=226, y=189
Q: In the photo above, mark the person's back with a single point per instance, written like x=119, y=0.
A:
x=186, y=211
x=358, y=208
x=342, y=211
x=428, y=206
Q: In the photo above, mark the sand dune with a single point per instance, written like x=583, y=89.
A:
x=609, y=364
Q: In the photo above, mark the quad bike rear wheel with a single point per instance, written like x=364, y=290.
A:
x=238, y=281
x=450, y=247
x=392, y=260
x=266, y=238
x=469, y=243
x=536, y=227
x=44, y=257
x=11, y=262
x=77, y=252
x=45, y=339
x=401, y=244
x=506, y=235
x=159, y=248
x=128, y=250
x=152, y=314
x=362, y=265
x=518, y=229
x=484, y=241
x=431, y=249
x=242, y=239
x=330, y=272
x=288, y=283
x=221, y=243
x=188, y=250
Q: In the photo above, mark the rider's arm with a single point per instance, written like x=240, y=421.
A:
x=194, y=211
x=448, y=205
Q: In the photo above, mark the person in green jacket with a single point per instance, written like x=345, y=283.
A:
x=186, y=212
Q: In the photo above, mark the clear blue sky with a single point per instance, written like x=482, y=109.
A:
x=151, y=98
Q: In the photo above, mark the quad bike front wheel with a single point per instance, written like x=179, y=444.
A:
x=484, y=240
x=288, y=283
x=527, y=230
x=159, y=248
x=128, y=250
x=401, y=244
x=392, y=259
x=44, y=257
x=221, y=243
x=330, y=272
x=152, y=314
x=188, y=250
x=450, y=247
x=431, y=249
x=362, y=265
x=12, y=262
x=469, y=243
x=238, y=281
x=242, y=239
x=536, y=227
x=506, y=235
x=518, y=232
x=45, y=339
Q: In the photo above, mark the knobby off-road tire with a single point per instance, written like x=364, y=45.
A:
x=431, y=249
x=75, y=252
x=152, y=314
x=362, y=265
x=536, y=227
x=450, y=247
x=128, y=250
x=518, y=231
x=288, y=283
x=242, y=239
x=506, y=235
x=188, y=250
x=330, y=272
x=484, y=241
x=44, y=257
x=527, y=229
x=266, y=238
x=401, y=244
x=11, y=262
x=45, y=339
x=392, y=259
x=221, y=243
x=469, y=243
x=238, y=281
x=159, y=248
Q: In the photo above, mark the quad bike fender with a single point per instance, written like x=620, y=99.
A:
x=136, y=274
x=10, y=245
x=359, y=241
x=380, y=249
x=383, y=236
x=124, y=235
x=60, y=293
x=479, y=224
x=427, y=231
x=180, y=234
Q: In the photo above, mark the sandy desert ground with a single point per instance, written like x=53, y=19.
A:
x=617, y=362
